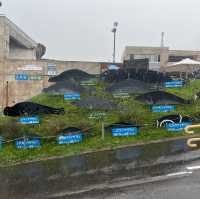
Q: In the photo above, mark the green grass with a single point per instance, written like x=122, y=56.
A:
x=51, y=124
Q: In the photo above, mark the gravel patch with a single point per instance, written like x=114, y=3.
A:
x=94, y=102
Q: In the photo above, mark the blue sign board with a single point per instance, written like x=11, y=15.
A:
x=21, y=77
x=1, y=142
x=27, y=144
x=164, y=108
x=70, y=139
x=177, y=126
x=29, y=120
x=72, y=96
x=174, y=84
x=125, y=131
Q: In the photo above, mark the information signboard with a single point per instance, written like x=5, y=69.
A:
x=164, y=108
x=21, y=77
x=91, y=82
x=97, y=115
x=51, y=69
x=174, y=84
x=72, y=96
x=27, y=144
x=177, y=126
x=70, y=139
x=30, y=67
x=121, y=95
x=1, y=142
x=125, y=131
x=29, y=120
x=35, y=77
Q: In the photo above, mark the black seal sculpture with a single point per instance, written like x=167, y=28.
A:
x=30, y=109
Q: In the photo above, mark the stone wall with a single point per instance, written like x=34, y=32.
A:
x=20, y=90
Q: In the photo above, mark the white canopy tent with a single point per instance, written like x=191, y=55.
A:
x=185, y=66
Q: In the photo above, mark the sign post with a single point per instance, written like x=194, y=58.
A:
x=102, y=130
x=100, y=116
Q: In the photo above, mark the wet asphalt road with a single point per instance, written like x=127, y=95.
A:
x=150, y=171
x=180, y=188
x=172, y=186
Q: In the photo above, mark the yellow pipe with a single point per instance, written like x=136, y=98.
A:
x=187, y=128
x=189, y=142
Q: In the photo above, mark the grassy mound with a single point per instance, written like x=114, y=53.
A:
x=134, y=112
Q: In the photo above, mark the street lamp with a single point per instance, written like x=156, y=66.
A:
x=114, y=30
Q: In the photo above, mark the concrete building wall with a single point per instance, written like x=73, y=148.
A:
x=164, y=53
x=137, y=50
x=21, y=90
x=17, y=52
x=14, y=43
x=4, y=39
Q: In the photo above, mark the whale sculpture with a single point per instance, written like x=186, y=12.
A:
x=74, y=74
x=30, y=109
x=161, y=97
x=130, y=86
x=172, y=119
x=65, y=87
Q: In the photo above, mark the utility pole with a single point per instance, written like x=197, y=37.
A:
x=162, y=40
x=162, y=45
x=7, y=93
x=114, y=31
x=102, y=130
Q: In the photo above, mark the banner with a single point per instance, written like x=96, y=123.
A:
x=31, y=67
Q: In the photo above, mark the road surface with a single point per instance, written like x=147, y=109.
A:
x=165, y=170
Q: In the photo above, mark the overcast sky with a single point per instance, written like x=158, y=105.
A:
x=81, y=29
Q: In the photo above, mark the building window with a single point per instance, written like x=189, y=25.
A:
x=151, y=58
x=178, y=58
x=131, y=57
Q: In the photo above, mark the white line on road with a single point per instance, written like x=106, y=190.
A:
x=193, y=168
x=179, y=173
